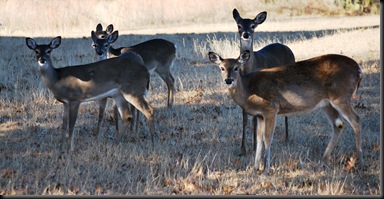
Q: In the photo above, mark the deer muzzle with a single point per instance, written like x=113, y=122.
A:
x=228, y=81
x=41, y=61
x=99, y=52
x=245, y=35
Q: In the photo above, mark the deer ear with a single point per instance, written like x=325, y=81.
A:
x=260, y=18
x=244, y=57
x=94, y=36
x=109, y=29
x=236, y=14
x=99, y=27
x=55, y=42
x=30, y=43
x=215, y=58
x=113, y=37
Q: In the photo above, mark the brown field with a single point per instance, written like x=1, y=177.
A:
x=196, y=150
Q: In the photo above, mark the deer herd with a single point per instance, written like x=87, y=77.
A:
x=264, y=83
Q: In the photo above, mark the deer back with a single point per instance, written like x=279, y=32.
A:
x=303, y=86
x=272, y=55
x=159, y=50
x=100, y=77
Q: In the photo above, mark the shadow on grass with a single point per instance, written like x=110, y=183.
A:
x=191, y=136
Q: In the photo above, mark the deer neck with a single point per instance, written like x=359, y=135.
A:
x=48, y=74
x=112, y=52
x=246, y=95
x=238, y=90
x=247, y=45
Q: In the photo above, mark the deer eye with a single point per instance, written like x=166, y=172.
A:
x=48, y=51
x=37, y=52
x=106, y=45
x=222, y=69
x=94, y=45
x=239, y=27
x=102, y=37
x=236, y=68
x=253, y=26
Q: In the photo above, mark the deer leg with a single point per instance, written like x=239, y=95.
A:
x=142, y=105
x=65, y=125
x=123, y=107
x=169, y=80
x=260, y=134
x=245, y=121
x=346, y=110
x=115, y=116
x=72, y=116
x=337, y=127
x=135, y=119
x=270, y=123
x=254, y=132
x=102, y=105
x=65, y=118
x=134, y=113
x=286, y=128
x=137, y=113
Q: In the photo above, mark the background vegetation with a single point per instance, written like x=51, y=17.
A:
x=53, y=17
x=199, y=139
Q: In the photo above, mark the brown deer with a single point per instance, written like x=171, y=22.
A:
x=132, y=112
x=119, y=78
x=272, y=55
x=327, y=81
x=158, y=55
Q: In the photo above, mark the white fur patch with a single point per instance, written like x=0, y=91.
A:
x=101, y=95
x=339, y=123
x=103, y=57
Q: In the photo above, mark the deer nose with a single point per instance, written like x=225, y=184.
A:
x=228, y=81
x=41, y=60
x=246, y=35
x=99, y=52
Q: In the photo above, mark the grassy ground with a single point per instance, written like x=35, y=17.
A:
x=197, y=149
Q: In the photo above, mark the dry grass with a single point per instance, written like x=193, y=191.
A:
x=198, y=141
x=51, y=18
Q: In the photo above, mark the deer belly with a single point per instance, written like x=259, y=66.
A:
x=102, y=95
x=302, y=108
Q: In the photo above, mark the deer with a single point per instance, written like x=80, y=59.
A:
x=132, y=112
x=328, y=82
x=158, y=55
x=120, y=78
x=272, y=55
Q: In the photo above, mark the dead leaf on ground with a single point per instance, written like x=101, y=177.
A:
x=266, y=184
x=8, y=172
x=227, y=189
x=351, y=164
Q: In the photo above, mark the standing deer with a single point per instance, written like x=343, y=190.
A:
x=327, y=81
x=119, y=78
x=273, y=55
x=158, y=55
x=133, y=112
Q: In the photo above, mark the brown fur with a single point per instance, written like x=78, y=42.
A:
x=327, y=81
x=158, y=55
x=119, y=78
x=272, y=55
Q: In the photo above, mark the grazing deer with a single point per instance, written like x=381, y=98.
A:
x=119, y=78
x=133, y=112
x=327, y=81
x=270, y=56
x=158, y=55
